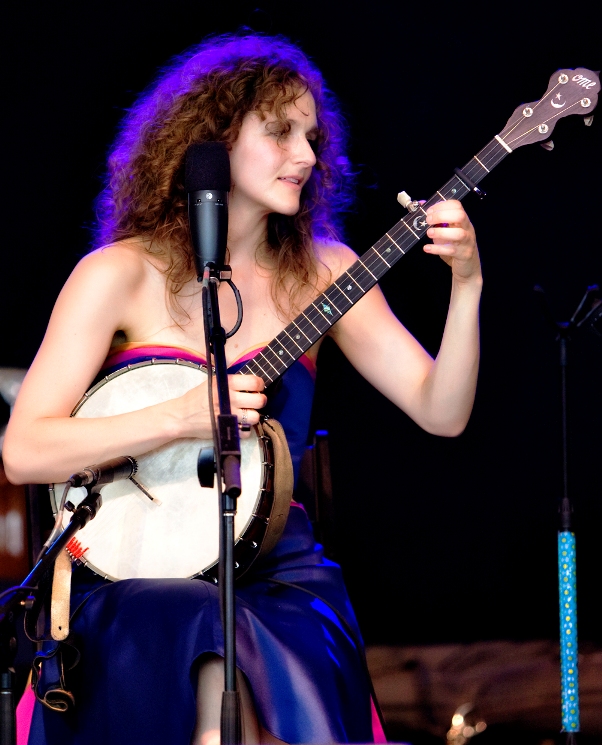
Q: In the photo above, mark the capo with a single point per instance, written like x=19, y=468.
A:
x=469, y=183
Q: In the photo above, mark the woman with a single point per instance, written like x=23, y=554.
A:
x=136, y=296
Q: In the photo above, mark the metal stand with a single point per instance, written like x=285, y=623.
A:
x=227, y=450
x=19, y=599
x=567, y=559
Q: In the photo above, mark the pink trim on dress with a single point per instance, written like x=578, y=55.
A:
x=24, y=715
x=378, y=732
x=125, y=353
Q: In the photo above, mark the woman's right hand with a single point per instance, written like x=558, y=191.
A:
x=246, y=398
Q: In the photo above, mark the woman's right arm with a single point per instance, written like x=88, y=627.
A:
x=43, y=443
x=107, y=292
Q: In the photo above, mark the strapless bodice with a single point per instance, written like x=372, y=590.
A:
x=290, y=398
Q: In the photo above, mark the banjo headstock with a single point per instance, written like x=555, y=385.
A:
x=569, y=92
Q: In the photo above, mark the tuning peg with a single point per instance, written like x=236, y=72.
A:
x=548, y=145
x=405, y=200
x=588, y=121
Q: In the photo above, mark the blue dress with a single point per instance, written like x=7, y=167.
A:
x=141, y=640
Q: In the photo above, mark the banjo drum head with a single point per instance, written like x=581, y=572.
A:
x=177, y=536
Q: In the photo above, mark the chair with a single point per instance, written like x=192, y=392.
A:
x=314, y=491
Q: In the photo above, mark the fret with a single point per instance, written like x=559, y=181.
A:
x=337, y=297
x=291, y=338
x=386, y=248
x=296, y=325
x=264, y=367
x=284, y=347
x=343, y=291
x=249, y=368
x=405, y=225
x=404, y=239
x=327, y=305
x=326, y=310
x=490, y=156
x=354, y=288
x=263, y=358
x=285, y=339
x=481, y=164
x=387, y=266
x=274, y=351
x=308, y=319
x=395, y=244
x=455, y=189
x=366, y=268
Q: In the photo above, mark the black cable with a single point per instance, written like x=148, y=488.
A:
x=15, y=588
x=234, y=289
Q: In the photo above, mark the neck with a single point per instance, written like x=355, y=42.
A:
x=247, y=230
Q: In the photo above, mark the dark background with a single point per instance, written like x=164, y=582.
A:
x=441, y=539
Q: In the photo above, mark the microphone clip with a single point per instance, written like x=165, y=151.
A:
x=211, y=272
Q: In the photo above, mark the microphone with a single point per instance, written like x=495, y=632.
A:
x=207, y=181
x=115, y=469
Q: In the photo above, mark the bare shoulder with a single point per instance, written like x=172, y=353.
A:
x=334, y=258
x=114, y=278
x=125, y=263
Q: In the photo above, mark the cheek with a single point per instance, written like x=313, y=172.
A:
x=250, y=164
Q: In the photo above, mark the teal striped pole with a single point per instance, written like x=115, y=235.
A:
x=569, y=677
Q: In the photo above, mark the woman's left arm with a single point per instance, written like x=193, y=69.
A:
x=438, y=394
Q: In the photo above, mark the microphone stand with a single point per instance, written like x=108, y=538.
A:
x=567, y=559
x=21, y=598
x=227, y=463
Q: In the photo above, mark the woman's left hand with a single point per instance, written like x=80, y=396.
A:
x=453, y=239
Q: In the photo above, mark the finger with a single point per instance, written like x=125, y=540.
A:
x=450, y=217
x=247, y=400
x=247, y=418
x=443, y=249
x=246, y=383
x=447, y=204
x=452, y=207
x=440, y=234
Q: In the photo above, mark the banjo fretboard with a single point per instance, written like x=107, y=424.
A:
x=310, y=325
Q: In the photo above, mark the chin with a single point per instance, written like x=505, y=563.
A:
x=288, y=210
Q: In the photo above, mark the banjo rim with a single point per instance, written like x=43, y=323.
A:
x=260, y=532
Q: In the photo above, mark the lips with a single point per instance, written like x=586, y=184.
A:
x=291, y=179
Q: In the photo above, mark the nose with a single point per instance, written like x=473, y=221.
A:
x=304, y=154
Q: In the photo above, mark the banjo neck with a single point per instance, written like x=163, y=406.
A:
x=569, y=92
x=320, y=315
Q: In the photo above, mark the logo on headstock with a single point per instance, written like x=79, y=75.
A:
x=556, y=103
x=584, y=82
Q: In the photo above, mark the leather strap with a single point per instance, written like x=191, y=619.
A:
x=61, y=597
x=283, y=483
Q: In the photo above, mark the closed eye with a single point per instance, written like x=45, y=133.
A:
x=278, y=129
x=314, y=139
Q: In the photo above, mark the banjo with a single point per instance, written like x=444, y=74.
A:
x=161, y=522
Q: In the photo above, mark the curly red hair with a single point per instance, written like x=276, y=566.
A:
x=202, y=96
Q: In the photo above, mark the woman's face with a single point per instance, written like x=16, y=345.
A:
x=268, y=167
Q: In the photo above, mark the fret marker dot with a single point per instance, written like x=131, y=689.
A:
x=298, y=336
x=388, y=251
x=348, y=287
x=280, y=351
x=453, y=191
